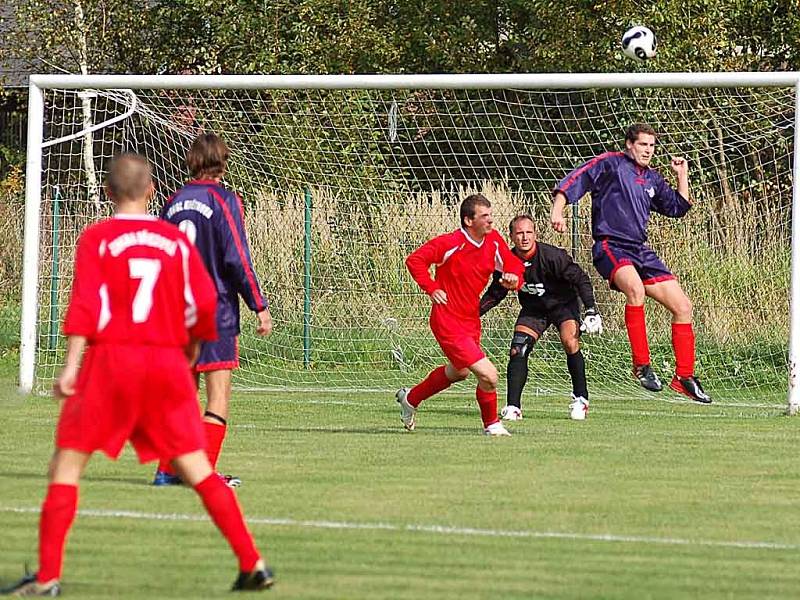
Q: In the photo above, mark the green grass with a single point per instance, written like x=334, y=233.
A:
x=683, y=483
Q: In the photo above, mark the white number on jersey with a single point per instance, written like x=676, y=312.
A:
x=147, y=270
x=189, y=229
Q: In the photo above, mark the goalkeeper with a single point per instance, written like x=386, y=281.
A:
x=625, y=190
x=549, y=296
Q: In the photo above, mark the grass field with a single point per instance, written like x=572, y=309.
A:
x=649, y=498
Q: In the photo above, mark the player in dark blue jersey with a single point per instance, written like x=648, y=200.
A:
x=624, y=191
x=553, y=282
x=212, y=217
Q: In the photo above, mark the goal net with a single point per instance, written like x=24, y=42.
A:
x=340, y=185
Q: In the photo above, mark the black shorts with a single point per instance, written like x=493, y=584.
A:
x=539, y=322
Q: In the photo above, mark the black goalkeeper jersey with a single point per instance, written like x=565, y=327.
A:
x=552, y=279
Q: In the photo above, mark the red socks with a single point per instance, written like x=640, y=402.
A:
x=215, y=435
x=437, y=381
x=222, y=506
x=166, y=467
x=488, y=404
x=434, y=383
x=637, y=334
x=683, y=346
x=58, y=513
x=682, y=341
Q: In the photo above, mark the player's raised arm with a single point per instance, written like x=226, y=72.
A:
x=576, y=184
x=681, y=168
x=668, y=201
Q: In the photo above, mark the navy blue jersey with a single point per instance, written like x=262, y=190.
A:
x=623, y=194
x=212, y=218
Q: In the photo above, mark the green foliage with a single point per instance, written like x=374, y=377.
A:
x=390, y=36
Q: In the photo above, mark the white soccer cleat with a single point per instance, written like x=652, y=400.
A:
x=511, y=413
x=407, y=412
x=578, y=408
x=496, y=430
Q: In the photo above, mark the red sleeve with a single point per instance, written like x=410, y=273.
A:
x=201, y=308
x=419, y=262
x=509, y=262
x=83, y=312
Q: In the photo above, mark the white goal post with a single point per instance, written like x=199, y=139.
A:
x=425, y=140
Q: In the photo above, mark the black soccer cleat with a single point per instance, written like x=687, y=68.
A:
x=253, y=581
x=647, y=377
x=28, y=586
x=690, y=386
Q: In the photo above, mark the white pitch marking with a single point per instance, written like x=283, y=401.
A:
x=437, y=529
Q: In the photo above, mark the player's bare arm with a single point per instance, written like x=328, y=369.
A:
x=439, y=296
x=557, y=220
x=681, y=168
x=264, y=322
x=192, y=351
x=64, y=385
x=510, y=281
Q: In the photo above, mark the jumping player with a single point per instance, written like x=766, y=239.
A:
x=624, y=191
x=141, y=299
x=465, y=260
x=548, y=296
x=212, y=218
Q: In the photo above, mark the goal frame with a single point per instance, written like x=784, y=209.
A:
x=35, y=145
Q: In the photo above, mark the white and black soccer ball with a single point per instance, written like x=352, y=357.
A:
x=639, y=43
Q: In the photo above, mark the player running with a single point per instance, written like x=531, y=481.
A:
x=465, y=260
x=548, y=296
x=624, y=191
x=213, y=219
x=141, y=299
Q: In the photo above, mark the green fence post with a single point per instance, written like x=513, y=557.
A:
x=53, y=339
x=307, y=283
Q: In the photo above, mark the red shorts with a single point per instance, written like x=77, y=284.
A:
x=145, y=394
x=460, y=339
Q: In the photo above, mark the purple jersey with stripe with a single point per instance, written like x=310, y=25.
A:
x=212, y=218
x=623, y=194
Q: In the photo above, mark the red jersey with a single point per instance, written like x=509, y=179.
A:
x=463, y=268
x=139, y=280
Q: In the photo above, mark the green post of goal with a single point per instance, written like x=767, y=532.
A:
x=307, y=281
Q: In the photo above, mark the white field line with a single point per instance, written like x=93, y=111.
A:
x=666, y=399
x=434, y=529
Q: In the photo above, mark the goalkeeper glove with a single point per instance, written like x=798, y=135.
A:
x=592, y=323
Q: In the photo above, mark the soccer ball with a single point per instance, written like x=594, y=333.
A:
x=639, y=43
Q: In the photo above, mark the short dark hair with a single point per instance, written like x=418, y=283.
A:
x=129, y=177
x=518, y=218
x=634, y=130
x=470, y=203
x=208, y=156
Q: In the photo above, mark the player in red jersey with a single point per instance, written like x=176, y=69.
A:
x=141, y=299
x=465, y=260
x=212, y=217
